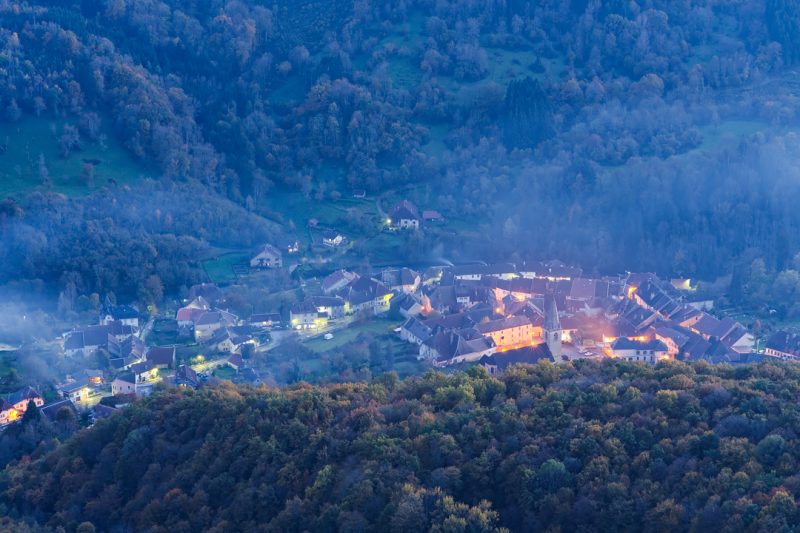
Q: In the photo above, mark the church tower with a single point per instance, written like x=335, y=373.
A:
x=551, y=328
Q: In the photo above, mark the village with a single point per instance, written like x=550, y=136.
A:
x=447, y=316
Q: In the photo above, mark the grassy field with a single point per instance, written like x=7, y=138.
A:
x=220, y=269
x=26, y=139
x=344, y=336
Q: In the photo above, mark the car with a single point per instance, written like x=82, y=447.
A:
x=328, y=336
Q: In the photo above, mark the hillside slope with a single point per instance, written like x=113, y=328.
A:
x=597, y=447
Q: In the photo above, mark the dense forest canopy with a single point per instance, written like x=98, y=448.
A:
x=594, y=447
x=585, y=130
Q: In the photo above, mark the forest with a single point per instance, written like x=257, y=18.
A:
x=584, y=447
x=650, y=135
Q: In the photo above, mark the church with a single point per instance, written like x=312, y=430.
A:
x=549, y=350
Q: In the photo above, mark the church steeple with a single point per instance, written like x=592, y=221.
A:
x=551, y=328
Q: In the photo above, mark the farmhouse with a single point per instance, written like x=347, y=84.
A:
x=651, y=351
x=267, y=257
x=404, y=216
x=332, y=238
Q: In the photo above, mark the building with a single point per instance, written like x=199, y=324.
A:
x=162, y=356
x=507, y=333
x=451, y=347
x=187, y=315
x=13, y=407
x=401, y=280
x=332, y=238
x=125, y=314
x=337, y=281
x=268, y=257
x=404, y=216
x=304, y=315
x=210, y=321
x=144, y=371
x=783, y=345
x=651, y=351
x=551, y=327
x=77, y=391
x=124, y=384
x=497, y=363
x=332, y=306
x=265, y=320
x=185, y=376
x=92, y=338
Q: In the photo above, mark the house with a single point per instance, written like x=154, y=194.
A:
x=236, y=362
x=210, y=321
x=452, y=347
x=332, y=306
x=124, y=384
x=267, y=257
x=185, y=376
x=739, y=340
x=144, y=371
x=77, y=391
x=304, y=315
x=401, y=280
x=125, y=314
x=783, y=345
x=432, y=216
x=367, y=295
x=407, y=305
x=92, y=338
x=186, y=316
x=553, y=270
x=162, y=356
x=415, y=331
x=512, y=332
x=123, y=363
x=651, y=351
x=404, y=216
x=332, y=238
x=131, y=346
x=711, y=327
x=337, y=281
x=209, y=292
x=220, y=341
x=673, y=338
x=497, y=363
x=13, y=407
x=20, y=398
x=59, y=410
x=265, y=320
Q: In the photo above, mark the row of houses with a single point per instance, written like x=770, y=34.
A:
x=345, y=293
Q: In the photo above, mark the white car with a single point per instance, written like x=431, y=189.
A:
x=328, y=336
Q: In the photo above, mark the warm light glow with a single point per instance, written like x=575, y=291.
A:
x=631, y=291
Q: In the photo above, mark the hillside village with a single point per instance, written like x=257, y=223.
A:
x=492, y=315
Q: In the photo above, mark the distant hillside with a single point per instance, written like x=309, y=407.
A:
x=587, y=448
x=620, y=135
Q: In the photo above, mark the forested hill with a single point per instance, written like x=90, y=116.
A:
x=596, y=447
x=650, y=135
